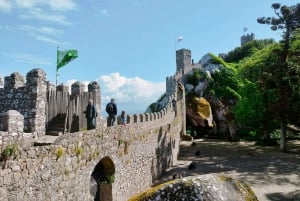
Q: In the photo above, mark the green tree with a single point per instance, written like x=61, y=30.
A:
x=294, y=79
x=287, y=19
x=247, y=112
x=255, y=70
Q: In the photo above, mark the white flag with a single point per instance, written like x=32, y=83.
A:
x=180, y=38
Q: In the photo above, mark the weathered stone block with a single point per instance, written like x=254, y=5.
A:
x=93, y=87
x=15, y=80
x=6, y=179
x=77, y=88
x=13, y=122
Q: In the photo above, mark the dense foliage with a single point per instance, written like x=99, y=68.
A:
x=224, y=84
x=196, y=77
x=218, y=60
x=247, y=50
x=248, y=111
x=293, y=75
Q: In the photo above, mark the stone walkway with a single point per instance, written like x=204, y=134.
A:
x=272, y=175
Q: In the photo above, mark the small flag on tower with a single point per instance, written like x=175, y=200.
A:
x=180, y=38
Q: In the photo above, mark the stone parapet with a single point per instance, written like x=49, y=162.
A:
x=13, y=122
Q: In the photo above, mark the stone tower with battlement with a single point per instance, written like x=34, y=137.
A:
x=247, y=38
x=184, y=64
x=183, y=60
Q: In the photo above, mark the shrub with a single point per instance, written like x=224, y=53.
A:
x=10, y=150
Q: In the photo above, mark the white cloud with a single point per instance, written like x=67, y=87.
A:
x=50, y=11
x=41, y=30
x=132, y=94
x=26, y=4
x=53, y=4
x=44, y=34
x=7, y=27
x=70, y=82
x=40, y=14
x=29, y=59
x=130, y=90
x=48, y=40
x=5, y=5
x=62, y=4
x=40, y=9
x=104, y=12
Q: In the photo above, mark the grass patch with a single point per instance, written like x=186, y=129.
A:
x=59, y=153
x=9, y=151
x=78, y=151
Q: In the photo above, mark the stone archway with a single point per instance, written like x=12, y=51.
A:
x=104, y=175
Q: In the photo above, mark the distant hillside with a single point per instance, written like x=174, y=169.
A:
x=247, y=50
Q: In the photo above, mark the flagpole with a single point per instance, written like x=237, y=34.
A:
x=178, y=39
x=56, y=65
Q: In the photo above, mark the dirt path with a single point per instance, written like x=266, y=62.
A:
x=272, y=175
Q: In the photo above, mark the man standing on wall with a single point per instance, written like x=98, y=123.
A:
x=90, y=114
x=111, y=109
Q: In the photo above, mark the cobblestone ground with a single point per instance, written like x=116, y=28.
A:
x=272, y=175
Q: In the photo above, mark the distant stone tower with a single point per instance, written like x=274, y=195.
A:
x=247, y=38
x=183, y=60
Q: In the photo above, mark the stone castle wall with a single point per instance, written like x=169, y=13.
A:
x=140, y=151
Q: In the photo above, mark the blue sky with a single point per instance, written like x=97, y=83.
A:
x=128, y=46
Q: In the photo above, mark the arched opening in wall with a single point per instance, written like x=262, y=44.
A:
x=104, y=175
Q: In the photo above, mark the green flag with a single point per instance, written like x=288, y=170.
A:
x=64, y=57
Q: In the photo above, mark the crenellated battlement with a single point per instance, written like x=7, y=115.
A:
x=1, y=82
x=27, y=98
x=15, y=80
x=40, y=102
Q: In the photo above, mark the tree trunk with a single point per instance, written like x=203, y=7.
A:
x=266, y=130
x=266, y=135
x=283, y=146
x=105, y=192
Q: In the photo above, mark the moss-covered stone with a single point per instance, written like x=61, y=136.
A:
x=203, y=187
